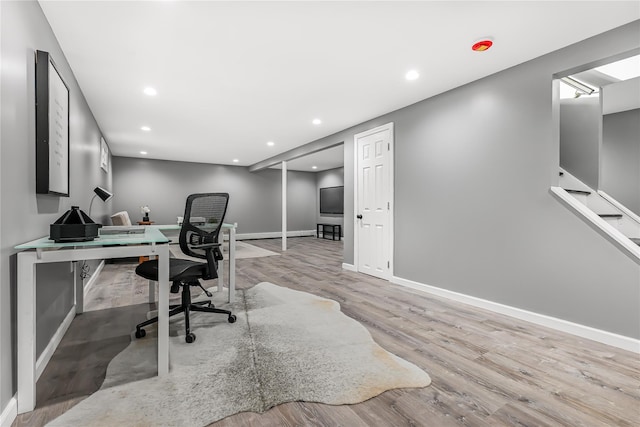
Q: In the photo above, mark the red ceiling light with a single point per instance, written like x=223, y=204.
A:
x=482, y=45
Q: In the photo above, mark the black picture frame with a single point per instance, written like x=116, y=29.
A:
x=52, y=128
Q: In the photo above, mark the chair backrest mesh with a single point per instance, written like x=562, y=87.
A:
x=203, y=217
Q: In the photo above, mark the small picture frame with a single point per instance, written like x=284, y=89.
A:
x=104, y=155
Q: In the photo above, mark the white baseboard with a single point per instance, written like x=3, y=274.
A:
x=609, y=338
x=94, y=277
x=9, y=413
x=44, y=358
x=349, y=267
x=274, y=234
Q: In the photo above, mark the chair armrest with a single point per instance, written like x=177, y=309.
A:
x=206, y=246
x=213, y=255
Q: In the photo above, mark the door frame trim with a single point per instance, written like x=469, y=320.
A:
x=389, y=126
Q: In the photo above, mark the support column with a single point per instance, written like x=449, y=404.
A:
x=284, y=205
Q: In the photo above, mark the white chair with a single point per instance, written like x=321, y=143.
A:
x=121, y=218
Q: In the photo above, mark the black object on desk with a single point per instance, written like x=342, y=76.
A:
x=333, y=230
x=73, y=226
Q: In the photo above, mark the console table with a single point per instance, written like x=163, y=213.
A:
x=151, y=243
x=333, y=230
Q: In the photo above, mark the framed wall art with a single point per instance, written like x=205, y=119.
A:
x=52, y=128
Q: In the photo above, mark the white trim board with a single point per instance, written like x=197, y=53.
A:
x=609, y=338
x=601, y=226
x=47, y=353
x=9, y=413
x=349, y=267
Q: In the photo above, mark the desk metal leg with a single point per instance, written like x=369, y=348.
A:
x=232, y=264
x=163, y=309
x=152, y=291
x=78, y=286
x=221, y=269
x=152, y=287
x=26, y=312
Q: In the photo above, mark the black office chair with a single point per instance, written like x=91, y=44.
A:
x=203, y=218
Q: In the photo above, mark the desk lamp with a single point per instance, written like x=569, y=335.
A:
x=104, y=195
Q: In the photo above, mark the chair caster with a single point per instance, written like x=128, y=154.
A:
x=175, y=288
x=232, y=318
x=140, y=333
x=191, y=337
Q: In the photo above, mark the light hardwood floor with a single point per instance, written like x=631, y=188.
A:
x=487, y=369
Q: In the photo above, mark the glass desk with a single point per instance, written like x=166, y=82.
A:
x=150, y=243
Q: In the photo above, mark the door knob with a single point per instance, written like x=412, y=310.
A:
x=359, y=216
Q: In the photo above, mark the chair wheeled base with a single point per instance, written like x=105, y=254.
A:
x=186, y=307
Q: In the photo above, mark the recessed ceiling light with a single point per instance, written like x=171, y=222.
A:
x=482, y=45
x=145, y=128
x=412, y=75
x=150, y=91
x=316, y=121
x=271, y=143
x=314, y=167
x=235, y=160
x=143, y=152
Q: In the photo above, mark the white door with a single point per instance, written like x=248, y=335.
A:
x=374, y=175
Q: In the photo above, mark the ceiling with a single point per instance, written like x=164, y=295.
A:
x=614, y=72
x=231, y=76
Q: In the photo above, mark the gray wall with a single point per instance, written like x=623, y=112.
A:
x=301, y=201
x=23, y=214
x=580, y=130
x=329, y=178
x=620, y=158
x=255, y=201
x=473, y=211
x=620, y=96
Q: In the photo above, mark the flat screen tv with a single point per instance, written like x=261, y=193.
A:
x=332, y=200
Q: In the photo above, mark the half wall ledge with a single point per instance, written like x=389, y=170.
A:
x=592, y=219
